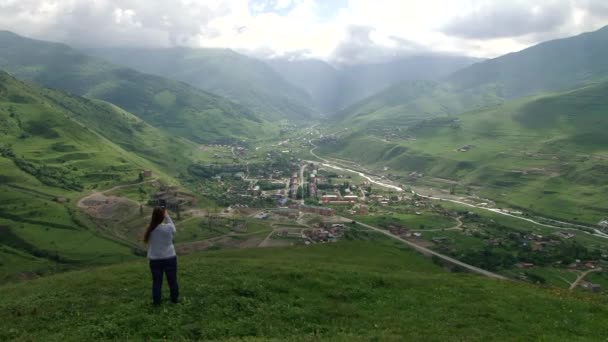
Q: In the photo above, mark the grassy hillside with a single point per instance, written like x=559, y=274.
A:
x=411, y=101
x=177, y=107
x=242, y=79
x=349, y=291
x=548, y=154
x=55, y=146
x=555, y=65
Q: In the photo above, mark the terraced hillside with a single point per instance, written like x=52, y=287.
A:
x=53, y=147
x=348, y=291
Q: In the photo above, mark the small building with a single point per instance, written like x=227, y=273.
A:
x=147, y=173
x=565, y=235
x=286, y=212
x=323, y=211
x=351, y=198
x=524, y=265
x=363, y=210
x=255, y=191
x=329, y=198
x=595, y=288
x=261, y=216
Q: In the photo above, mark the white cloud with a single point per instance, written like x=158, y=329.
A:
x=319, y=28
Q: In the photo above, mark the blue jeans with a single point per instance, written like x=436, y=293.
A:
x=169, y=268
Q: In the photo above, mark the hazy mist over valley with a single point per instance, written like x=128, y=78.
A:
x=304, y=169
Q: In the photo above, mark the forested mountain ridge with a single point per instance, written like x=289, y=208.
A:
x=240, y=78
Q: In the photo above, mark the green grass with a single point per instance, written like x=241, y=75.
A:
x=343, y=291
x=199, y=229
x=14, y=262
x=424, y=221
x=57, y=146
x=554, y=277
x=600, y=278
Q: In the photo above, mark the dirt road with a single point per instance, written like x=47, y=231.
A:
x=582, y=276
x=456, y=227
x=96, y=193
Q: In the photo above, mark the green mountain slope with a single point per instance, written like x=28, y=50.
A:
x=551, y=66
x=171, y=105
x=339, y=292
x=53, y=147
x=245, y=80
x=412, y=101
x=334, y=88
x=546, y=154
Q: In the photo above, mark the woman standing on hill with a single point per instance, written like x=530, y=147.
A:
x=161, y=253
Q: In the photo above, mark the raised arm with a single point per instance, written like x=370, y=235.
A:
x=170, y=222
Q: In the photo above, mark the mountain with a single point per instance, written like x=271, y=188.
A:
x=318, y=78
x=171, y=105
x=551, y=66
x=334, y=87
x=348, y=291
x=54, y=146
x=411, y=101
x=242, y=79
x=546, y=153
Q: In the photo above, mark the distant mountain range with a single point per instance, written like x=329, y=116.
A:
x=551, y=66
x=174, y=106
x=333, y=88
x=245, y=80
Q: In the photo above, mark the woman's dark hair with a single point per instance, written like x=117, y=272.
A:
x=158, y=216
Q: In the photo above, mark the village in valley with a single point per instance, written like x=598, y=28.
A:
x=273, y=195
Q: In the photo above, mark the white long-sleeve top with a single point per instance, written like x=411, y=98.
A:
x=160, y=244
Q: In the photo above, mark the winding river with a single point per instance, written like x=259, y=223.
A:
x=374, y=180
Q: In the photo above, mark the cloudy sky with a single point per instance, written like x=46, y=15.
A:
x=337, y=30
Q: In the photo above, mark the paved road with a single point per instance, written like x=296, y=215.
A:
x=427, y=251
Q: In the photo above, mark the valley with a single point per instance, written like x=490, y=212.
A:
x=416, y=187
